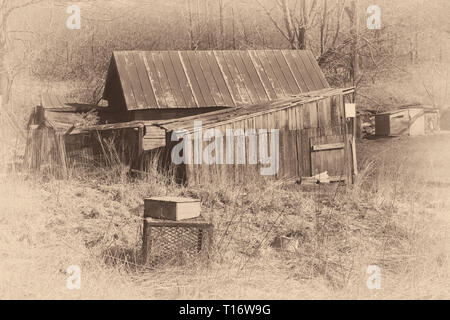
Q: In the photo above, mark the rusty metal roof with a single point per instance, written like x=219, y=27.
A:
x=194, y=79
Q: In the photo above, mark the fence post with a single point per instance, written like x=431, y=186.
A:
x=141, y=148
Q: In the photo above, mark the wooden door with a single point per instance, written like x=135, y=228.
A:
x=328, y=154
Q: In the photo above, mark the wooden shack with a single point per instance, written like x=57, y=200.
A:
x=48, y=125
x=150, y=94
x=62, y=135
x=163, y=85
x=313, y=138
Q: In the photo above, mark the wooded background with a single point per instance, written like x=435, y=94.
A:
x=36, y=44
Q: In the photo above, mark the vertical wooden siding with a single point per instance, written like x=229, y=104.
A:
x=300, y=127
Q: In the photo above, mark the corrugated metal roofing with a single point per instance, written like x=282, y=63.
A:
x=194, y=79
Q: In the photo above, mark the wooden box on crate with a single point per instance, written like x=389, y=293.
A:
x=172, y=208
x=174, y=229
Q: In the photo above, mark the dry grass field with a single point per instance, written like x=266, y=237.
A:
x=397, y=216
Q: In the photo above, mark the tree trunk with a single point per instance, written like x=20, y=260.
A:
x=233, y=27
x=323, y=27
x=191, y=26
x=221, y=26
x=288, y=23
x=4, y=79
x=4, y=76
x=355, y=35
x=302, y=38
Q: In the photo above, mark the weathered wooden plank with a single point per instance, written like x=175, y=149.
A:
x=163, y=80
x=339, y=160
x=291, y=153
x=265, y=121
x=324, y=112
x=297, y=74
x=278, y=73
x=185, y=86
x=316, y=84
x=251, y=90
x=293, y=87
x=219, y=78
x=304, y=110
x=286, y=120
x=303, y=136
x=154, y=80
x=317, y=158
x=172, y=79
x=237, y=78
x=313, y=117
x=329, y=146
x=130, y=68
x=267, y=86
x=354, y=162
x=254, y=77
x=202, y=82
x=318, y=72
x=295, y=154
x=341, y=108
x=298, y=151
x=192, y=80
x=125, y=81
x=301, y=67
x=282, y=151
x=300, y=119
x=271, y=76
x=211, y=81
x=149, y=95
x=228, y=78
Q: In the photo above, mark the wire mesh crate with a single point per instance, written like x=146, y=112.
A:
x=166, y=241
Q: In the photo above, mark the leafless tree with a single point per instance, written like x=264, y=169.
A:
x=297, y=18
x=7, y=8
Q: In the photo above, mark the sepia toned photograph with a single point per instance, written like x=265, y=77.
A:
x=215, y=150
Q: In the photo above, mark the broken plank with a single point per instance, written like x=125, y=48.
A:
x=330, y=146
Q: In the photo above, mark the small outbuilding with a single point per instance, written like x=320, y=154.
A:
x=297, y=137
x=412, y=120
x=152, y=94
x=62, y=135
x=432, y=120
